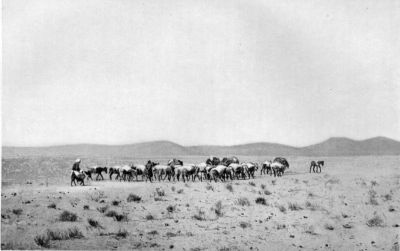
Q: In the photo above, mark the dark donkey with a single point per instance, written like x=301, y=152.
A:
x=97, y=170
x=148, y=171
x=318, y=164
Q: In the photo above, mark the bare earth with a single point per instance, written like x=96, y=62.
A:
x=354, y=204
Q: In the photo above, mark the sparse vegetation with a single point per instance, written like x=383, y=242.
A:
x=387, y=197
x=115, y=202
x=52, y=205
x=96, y=196
x=374, y=183
x=261, y=200
x=263, y=186
x=121, y=217
x=266, y=192
x=133, y=197
x=218, y=209
x=94, y=223
x=173, y=189
x=42, y=240
x=273, y=182
x=209, y=187
x=149, y=217
x=154, y=232
x=280, y=226
x=122, y=233
x=375, y=221
x=229, y=187
x=17, y=211
x=102, y=209
x=160, y=192
x=282, y=208
x=244, y=225
x=111, y=213
x=68, y=216
x=180, y=191
x=170, y=209
x=328, y=227
x=311, y=206
x=200, y=215
x=251, y=183
x=293, y=206
x=372, y=197
x=243, y=201
x=86, y=207
x=170, y=234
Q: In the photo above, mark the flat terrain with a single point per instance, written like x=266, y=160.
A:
x=354, y=204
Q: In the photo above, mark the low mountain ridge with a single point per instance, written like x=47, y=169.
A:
x=336, y=146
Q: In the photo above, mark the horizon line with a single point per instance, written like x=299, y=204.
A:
x=170, y=141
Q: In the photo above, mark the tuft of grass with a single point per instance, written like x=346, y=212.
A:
x=173, y=189
x=74, y=233
x=372, y=197
x=115, y=202
x=387, y=197
x=111, y=213
x=160, y=192
x=282, y=208
x=263, y=186
x=171, y=209
x=209, y=187
x=102, y=209
x=154, y=232
x=251, y=183
x=311, y=206
x=229, y=187
x=243, y=201
x=266, y=192
x=17, y=211
x=280, y=226
x=94, y=223
x=149, y=217
x=86, y=207
x=294, y=206
x=244, y=225
x=310, y=194
x=200, y=215
x=42, y=240
x=218, y=209
x=68, y=216
x=52, y=205
x=375, y=221
x=133, y=197
x=374, y=183
x=328, y=227
x=261, y=200
x=273, y=182
x=122, y=233
x=121, y=217
x=169, y=234
x=180, y=191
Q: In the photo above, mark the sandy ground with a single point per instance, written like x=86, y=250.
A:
x=327, y=211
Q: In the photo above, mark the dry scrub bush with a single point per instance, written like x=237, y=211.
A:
x=375, y=221
x=218, y=209
x=251, y=183
x=266, y=192
x=282, y=208
x=372, y=197
x=180, y=191
x=102, y=209
x=17, y=211
x=115, y=202
x=86, y=207
x=311, y=206
x=52, y=205
x=293, y=206
x=261, y=200
x=328, y=227
x=42, y=240
x=94, y=223
x=263, y=186
x=160, y=192
x=242, y=201
x=111, y=213
x=229, y=187
x=200, y=215
x=244, y=224
x=149, y=217
x=68, y=216
x=122, y=233
x=209, y=187
x=154, y=232
x=133, y=197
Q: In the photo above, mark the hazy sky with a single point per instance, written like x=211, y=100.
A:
x=199, y=72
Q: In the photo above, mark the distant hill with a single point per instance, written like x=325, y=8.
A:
x=330, y=147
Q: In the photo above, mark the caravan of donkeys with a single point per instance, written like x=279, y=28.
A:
x=213, y=169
